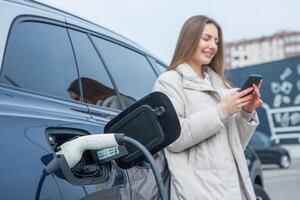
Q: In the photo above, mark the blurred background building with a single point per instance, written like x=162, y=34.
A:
x=281, y=45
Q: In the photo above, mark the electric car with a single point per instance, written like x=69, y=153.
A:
x=64, y=77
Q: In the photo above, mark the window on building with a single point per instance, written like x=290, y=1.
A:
x=236, y=57
x=287, y=39
x=227, y=52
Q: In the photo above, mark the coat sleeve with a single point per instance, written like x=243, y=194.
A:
x=247, y=123
x=195, y=127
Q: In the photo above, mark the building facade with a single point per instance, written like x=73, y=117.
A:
x=278, y=46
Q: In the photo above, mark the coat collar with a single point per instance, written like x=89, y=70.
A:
x=188, y=73
x=192, y=81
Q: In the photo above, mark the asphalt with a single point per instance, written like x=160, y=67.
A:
x=283, y=184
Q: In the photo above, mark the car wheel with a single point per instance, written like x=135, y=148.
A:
x=285, y=162
x=260, y=193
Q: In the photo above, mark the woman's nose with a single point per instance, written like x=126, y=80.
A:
x=213, y=45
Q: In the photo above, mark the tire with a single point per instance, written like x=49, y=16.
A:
x=285, y=162
x=260, y=193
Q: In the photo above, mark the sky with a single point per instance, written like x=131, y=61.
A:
x=155, y=24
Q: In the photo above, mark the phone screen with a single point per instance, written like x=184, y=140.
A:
x=252, y=79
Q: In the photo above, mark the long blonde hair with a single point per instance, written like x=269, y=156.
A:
x=188, y=41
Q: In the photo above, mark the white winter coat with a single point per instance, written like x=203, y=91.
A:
x=207, y=161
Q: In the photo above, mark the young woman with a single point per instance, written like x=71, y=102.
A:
x=207, y=160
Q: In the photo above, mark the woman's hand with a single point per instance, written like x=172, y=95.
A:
x=255, y=100
x=235, y=101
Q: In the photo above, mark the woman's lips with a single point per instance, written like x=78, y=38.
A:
x=208, y=54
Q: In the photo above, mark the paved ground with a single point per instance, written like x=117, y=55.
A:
x=283, y=184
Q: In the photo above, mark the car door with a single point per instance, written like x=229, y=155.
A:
x=134, y=78
x=97, y=88
x=39, y=111
x=37, y=69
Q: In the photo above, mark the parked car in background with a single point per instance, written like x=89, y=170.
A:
x=255, y=172
x=268, y=152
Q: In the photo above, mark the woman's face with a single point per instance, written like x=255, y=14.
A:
x=208, y=45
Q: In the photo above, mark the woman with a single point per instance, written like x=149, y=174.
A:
x=207, y=160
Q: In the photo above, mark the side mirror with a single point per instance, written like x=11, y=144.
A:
x=152, y=121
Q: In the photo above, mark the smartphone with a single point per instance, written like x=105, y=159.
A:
x=252, y=79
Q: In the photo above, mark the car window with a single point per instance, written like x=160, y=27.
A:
x=96, y=85
x=161, y=68
x=260, y=140
x=39, y=57
x=255, y=141
x=131, y=70
x=264, y=140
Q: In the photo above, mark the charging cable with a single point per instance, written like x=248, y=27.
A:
x=73, y=150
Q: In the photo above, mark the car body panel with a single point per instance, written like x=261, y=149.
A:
x=27, y=116
x=24, y=120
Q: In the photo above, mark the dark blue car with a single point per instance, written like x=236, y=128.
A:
x=63, y=77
